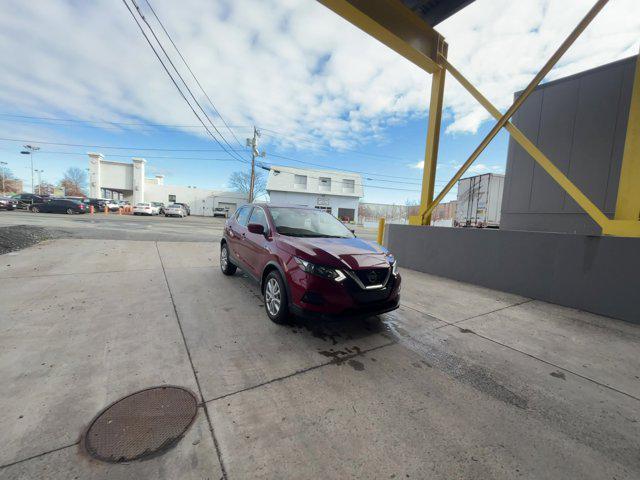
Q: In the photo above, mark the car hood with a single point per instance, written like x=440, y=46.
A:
x=353, y=253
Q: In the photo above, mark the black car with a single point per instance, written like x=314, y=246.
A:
x=59, y=205
x=7, y=203
x=25, y=200
x=97, y=203
x=185, y=206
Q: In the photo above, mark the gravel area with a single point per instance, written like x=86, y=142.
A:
x=17, y=237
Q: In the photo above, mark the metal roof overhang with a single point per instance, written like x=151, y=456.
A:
x=405, y=26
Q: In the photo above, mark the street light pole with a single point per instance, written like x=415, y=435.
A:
x=39, y=172
x=30, y=150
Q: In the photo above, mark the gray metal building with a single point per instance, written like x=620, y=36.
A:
x=580, y=123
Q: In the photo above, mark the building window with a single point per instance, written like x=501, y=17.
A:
x=325, y=184
x=348, y=186
x=172, y=199
x=300, y=182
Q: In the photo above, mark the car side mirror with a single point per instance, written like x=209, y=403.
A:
x=256, y=228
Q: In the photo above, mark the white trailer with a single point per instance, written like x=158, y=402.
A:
x=479, y=201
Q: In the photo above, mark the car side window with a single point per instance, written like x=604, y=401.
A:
x=243, y=216
x=259, y=217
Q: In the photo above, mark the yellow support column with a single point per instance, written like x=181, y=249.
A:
x=433, y=141
x=628, y=202
x=380, y=230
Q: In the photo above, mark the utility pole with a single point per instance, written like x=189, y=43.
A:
x=3, y=166
x=253, y=143
x=30, y=150
x=39, y=172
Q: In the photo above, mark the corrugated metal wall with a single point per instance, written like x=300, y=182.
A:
x=580, y=123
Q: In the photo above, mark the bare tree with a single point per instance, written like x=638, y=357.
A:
x=74, y=182
x=241, y=182
x=9, y=181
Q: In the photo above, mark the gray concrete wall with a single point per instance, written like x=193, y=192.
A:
x=592, y=273
x=580, y=123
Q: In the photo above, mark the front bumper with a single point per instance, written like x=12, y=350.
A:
x=316, y=297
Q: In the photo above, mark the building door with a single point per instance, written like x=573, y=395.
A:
x=347, y=214
x=231, y=206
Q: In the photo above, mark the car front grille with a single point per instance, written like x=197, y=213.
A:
x=372, y=276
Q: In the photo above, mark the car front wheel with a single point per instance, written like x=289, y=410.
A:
x=275, y=298
x=35, y=209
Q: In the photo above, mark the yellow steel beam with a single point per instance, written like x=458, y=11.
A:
x=628, y=202
x=433, y=138
x=393, y=24
x=599, y=5
x=581, y=199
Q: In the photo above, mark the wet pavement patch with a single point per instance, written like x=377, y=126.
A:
x=142, y=425
x=558, y=374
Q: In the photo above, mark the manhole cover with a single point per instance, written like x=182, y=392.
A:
x=144, y=424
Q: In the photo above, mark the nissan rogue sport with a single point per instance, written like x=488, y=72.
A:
x=308, y=263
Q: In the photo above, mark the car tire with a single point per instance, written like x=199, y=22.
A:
x=70, y=211
x=35, y=210
x=226, y=266
x=275, y=298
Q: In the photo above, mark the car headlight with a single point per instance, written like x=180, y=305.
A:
x=320, y=271
x=393, y=263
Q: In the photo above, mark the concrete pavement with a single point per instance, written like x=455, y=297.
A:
x=461, y=382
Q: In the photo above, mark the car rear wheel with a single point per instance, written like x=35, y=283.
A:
x=70, y=211
x=35, y=209
x=226, y=266
x=275, y=298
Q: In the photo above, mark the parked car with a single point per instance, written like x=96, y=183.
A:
x=112, y=205
x=145, y=209
x=123, y=203
x=25, y=200
x=59, y=205
x=8, y=203
x=159, y=206
x=185, y=206
x=308, y=263
x=97, y=203
x=175, y=210
x=221, y=212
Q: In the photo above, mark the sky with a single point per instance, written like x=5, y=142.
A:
x=320, y=90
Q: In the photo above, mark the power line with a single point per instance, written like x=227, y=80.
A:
x=144, y=19
x=328, y=148
x=343, y=170
x=175, y=83
x=191, y=72
x=114, y=147
x=107, y=122
x=153, y=149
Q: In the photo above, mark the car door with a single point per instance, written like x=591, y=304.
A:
x=256, y=245
x=237, y=232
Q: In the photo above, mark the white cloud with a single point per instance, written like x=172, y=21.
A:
x=290, y=65
x=483, y=168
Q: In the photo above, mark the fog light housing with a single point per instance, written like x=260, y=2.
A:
x=314, y=298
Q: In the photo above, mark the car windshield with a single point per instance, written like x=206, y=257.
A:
x=143, y=205
x=298, y=222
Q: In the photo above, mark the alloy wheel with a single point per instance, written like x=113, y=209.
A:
x=224, y=257
x=272, y=296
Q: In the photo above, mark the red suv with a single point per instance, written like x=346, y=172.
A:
x=308, y=263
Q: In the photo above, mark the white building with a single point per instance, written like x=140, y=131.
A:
x=335, y=192
x=127, y=181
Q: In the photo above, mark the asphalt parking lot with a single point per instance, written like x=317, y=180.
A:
x=132, y=227
x=461, y=382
